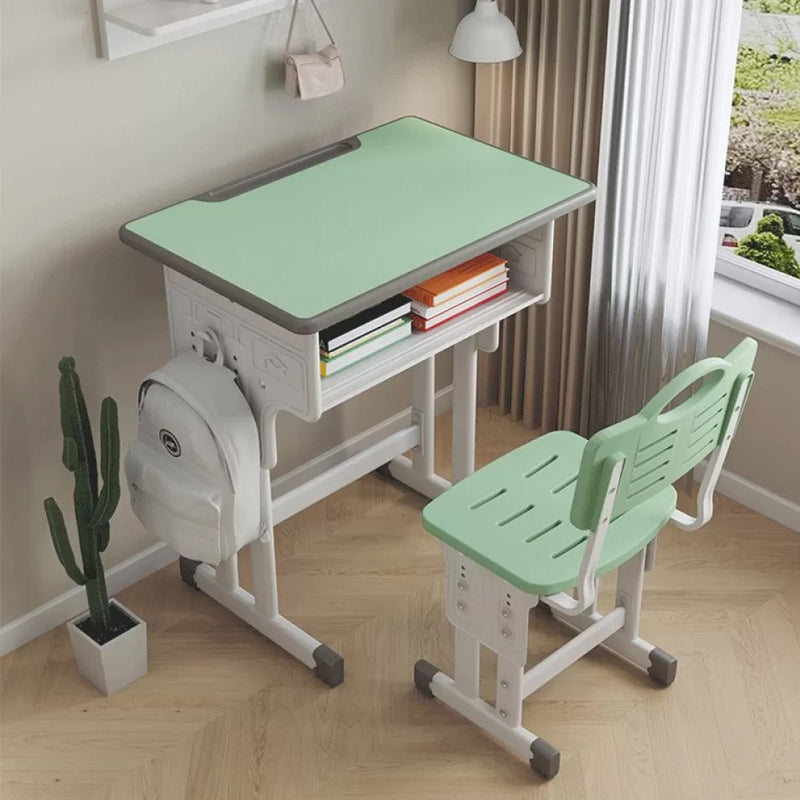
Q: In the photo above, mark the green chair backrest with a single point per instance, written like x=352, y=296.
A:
x=658, y=445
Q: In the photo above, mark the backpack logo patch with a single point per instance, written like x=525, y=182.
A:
x=170, y=442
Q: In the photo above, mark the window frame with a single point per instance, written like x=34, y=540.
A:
x=758, y=277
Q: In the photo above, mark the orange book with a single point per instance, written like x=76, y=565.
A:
x=471, y=273
x=420, y=324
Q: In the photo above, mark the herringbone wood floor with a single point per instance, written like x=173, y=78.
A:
x=225, y=714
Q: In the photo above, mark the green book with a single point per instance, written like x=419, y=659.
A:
x=328, y=366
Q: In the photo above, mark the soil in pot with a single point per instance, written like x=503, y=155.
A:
x=119, y=622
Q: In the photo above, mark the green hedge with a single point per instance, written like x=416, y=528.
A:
x=768, y=247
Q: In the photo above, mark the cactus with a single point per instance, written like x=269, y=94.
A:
x=93, y=506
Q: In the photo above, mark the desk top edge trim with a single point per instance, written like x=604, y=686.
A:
x=311, y=325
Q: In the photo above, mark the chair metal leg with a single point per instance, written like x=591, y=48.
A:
x=509, y=692
x=626, y=642
x=467, y=664
x=485, y=609
x=542, y=756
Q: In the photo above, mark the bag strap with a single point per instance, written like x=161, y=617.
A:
x=294, y=15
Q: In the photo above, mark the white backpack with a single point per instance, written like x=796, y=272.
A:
x=193, y=472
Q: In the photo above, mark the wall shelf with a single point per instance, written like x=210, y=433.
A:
x=130, y=27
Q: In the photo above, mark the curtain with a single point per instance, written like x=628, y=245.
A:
x=547, y=105
x=667, y=104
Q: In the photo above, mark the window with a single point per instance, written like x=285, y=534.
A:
x=760, y=221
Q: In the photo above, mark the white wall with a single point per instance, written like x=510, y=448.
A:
x=89, y=144
x=766, y=449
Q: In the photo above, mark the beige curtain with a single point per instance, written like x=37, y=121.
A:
x=546, y=105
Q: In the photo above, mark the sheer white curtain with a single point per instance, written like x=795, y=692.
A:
x=669, y=82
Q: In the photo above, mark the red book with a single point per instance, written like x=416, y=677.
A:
x=420, y=324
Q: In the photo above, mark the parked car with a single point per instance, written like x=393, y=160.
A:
x=737, y=219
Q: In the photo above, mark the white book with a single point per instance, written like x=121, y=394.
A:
x=330, y=366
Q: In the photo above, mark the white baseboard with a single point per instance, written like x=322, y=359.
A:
x=63, y=608
x=756, y=497
x=68, y=605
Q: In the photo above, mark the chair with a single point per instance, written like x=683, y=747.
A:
x=549, y=518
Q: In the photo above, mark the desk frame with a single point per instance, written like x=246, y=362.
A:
x=279, y=371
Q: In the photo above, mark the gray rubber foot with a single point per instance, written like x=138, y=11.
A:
x=423, y=675
x=188, y=567
x=545, y=759
x=663, y=667
x=329, y=665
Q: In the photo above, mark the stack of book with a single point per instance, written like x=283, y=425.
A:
x=363, y=334
x=459, y=289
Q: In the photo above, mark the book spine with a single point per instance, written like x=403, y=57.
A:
x=420, y=295
x=417, y=323
x=421, y=324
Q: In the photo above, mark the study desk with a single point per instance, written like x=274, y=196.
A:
x=258, y=267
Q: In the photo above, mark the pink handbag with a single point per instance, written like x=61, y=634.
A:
x=311, y=75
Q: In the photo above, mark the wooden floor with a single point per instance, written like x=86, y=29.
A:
x=225, y=714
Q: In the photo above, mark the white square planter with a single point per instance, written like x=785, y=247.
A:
x=115, y=664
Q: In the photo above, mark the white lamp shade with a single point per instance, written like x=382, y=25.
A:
x=486, y=36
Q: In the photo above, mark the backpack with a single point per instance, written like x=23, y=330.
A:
x=194, y=470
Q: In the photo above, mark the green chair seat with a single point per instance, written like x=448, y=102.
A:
x=513, y=517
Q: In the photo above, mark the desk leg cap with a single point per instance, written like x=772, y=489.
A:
x=188, y=568
x=384, y=472
x=424, y=673
x=545, y=759
x=329, y=665
x=663, y=667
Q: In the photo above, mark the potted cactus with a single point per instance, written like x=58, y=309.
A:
x=110, y=644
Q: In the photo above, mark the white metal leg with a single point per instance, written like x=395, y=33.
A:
x=262, y=554
x=634, y=650
x=227, y=573
x=574, y=649
x=418, y=472
x=260, y=609
x=472, y=605
x=423, y=414
x=465, y=380
x=467, y=664
x=344, y=472
x=626, y=642
x=278, y=629
x=508, y=692
x=484, y=608
x=630, y=583
x=431, y=486
x=515, y=738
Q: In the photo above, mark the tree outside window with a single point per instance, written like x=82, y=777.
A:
x=763, y=161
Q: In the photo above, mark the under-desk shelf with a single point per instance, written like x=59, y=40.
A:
x=128, y=26
x=384, y=364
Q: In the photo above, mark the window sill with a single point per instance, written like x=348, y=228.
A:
x=750, y=311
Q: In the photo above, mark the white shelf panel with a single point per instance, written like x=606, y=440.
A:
x=130, y=27
x=165, y=17
x=357, y=378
